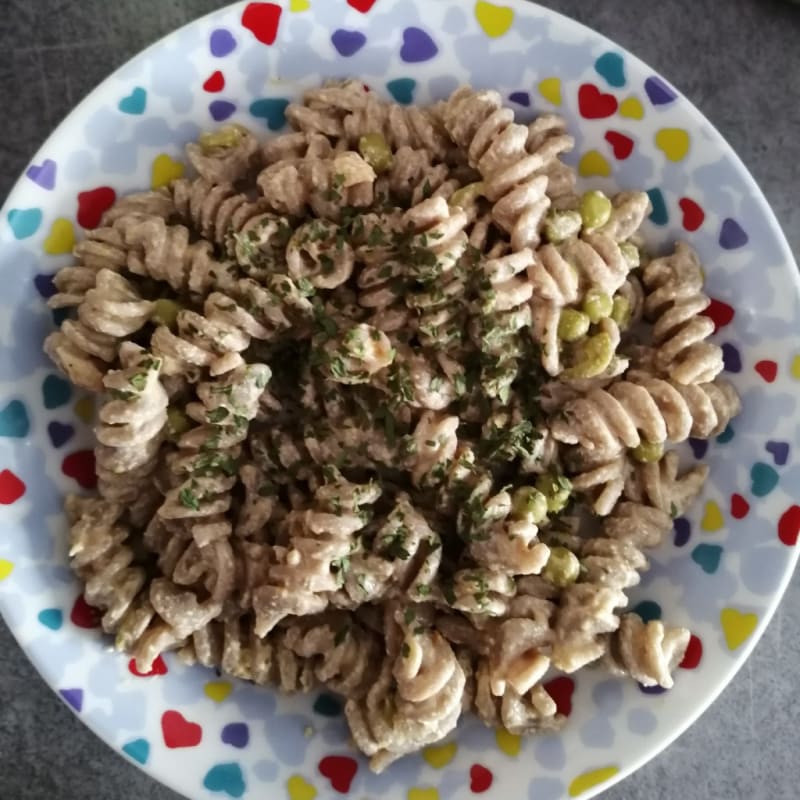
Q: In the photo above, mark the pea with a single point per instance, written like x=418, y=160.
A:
x=648, y=452
x=621, y=311
x=560, y=225
x=595, y=210
x=593, y=355
x=165, y=312
x=572, y=325
x=630, y=252
x=225, y=137
x=177, y=422
x=529, y=503
x=375, y=151
x=562, y=567
x=466, y=195
x=597, y=305
x=556, y=489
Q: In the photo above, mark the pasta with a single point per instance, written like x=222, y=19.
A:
x=386, y=406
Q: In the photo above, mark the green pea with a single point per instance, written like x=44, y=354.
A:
x=595, y=210
x=177, y=422
x=225, y=137
x=597, y=305
x=621, y=311
x=529, y=503
x=375, y=151
x=556, y=489
x=466, y=195
x=165, y=312
x=630, y=252
x=561, y=225
x=592, y=356
x=562, y=567
x=648, y=452
x=572, y=325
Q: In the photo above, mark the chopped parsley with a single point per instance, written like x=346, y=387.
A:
x=188, y=499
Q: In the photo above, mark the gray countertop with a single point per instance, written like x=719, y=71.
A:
x=739, y=61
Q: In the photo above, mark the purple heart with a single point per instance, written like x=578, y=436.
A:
x=659, y=93
x=417, y=46
x=683, y=531
x=44, y=175
x=779, y=450
x=731, y=235
x=699, y=447
x=236, y=734
x=222, y=42
x=74, y=697
x=731, y=358
x=348, y=43
x=520, y=98
x=220, y=110
x=44, y=285
x=652, y=689
x=59, y=433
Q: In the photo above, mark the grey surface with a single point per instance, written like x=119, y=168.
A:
x=739, y=61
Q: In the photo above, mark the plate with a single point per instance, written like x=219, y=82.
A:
x=722, y=572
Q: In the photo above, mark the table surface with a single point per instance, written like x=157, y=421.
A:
x=738, y=61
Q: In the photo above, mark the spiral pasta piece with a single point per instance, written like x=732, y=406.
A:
x=659, y=484
x=548, y=133
x=224, y=156
x=603, y=482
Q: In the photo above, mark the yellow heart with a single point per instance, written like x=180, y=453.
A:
x=6, y=568
x=593, y=163
x=712, y=519
x=509, y=743
x=439, y=757
x=589, y=779
x=423, y=794
x=165, y=170
x=674, y=142
x=550, y=89
x=299, y=5
x=495, y=20
x=795, y=368
x=61, y=239
x=84, y=408
x=631, y=108
x=736, y=626
x=300, y=789
x=217, y=690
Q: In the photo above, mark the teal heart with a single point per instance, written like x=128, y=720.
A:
x=24, y=222
x=271, y=110
x=226, y=778
x=763, y=479
x=726, y=435
x=707, y=557
x=51, y=618
x=328, y=706
x=659, y=215
x=135, y=102
x=14, y=420
x=402, y=90
x=55, y=391
x=648, y=610
x=611, y=67
x=138, y=750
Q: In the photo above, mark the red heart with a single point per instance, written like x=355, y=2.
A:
x=178, y=731
x=340, y=770
x=480, y=778
x=80, y=465
x=621, y=144
x=158, y=668
x=83, y=615
x=767, y=369
x=215, y=82
x=693, y=215
x=262, y=20
x=561, y=689
x=93, y=204
x=693, y=655
x=593, y=104
x=361, y=5
x=789, y=526
x=11, y=487
x=720, y=313
x=739, y=506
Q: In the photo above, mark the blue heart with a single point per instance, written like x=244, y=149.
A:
x=347, y=43
x=763, y=479
x=59, y=433
x=699, y=447
x=683, y=531
x=135, y=102
x=74, y=697
x=138, y=750
x=402, y=89
x=648, y=610
x=417, y=46
x=14, y=420
x=271, y=110
x=43, y=174
x=612, y=68
x=658, y=215
x=731, y=358
x=24, y=222
x=520, y=98
x=707, y=556
x=732, y=235
x=221, y=110
x=44, y=285
x=659, y=93
x=51, y=618
x=226, y=778
x=55, y=391
x=779, y=451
